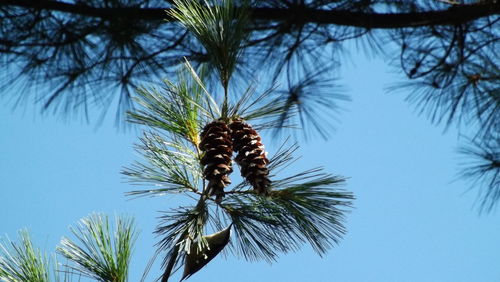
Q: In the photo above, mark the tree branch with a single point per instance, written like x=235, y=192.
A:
x=453, y=15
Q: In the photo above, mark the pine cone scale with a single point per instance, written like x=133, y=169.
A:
x=251, y=155
x=217, y=147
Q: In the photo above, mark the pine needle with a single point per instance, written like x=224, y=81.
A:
x=20, y=262
x=219, y=26
x=100, y=253
x=170, y=165
x=302, y=208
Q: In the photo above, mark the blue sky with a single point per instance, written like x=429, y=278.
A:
x=411, y=222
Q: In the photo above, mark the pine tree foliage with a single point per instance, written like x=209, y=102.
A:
x=483, y=170
x=180, y=107
x=455, y=72
x=100, y=253
x=227, y=23
x=301, y=208
x=23, y=262
x=172, y=166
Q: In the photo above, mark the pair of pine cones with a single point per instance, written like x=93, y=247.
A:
x=218, y=142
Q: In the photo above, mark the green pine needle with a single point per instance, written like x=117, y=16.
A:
x=170, y=165
x=260, y=108
x=220, y=27
x=303, y=208
x=100, y=253
x=482, y=170
x=179, y=229
x=21, y=262
x=179, y=108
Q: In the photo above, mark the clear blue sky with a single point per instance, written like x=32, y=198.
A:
x=410, y=222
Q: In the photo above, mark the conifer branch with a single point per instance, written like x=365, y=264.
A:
x=483, y=171
x=23, y=262
x=100, y=253
x=447, y=16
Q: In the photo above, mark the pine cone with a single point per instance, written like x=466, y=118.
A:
x=251, y=155
x=217, y=145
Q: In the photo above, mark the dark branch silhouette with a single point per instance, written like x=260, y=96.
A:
x=453, y=15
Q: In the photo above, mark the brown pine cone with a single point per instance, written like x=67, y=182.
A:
x=217, y=146
x=251, y=155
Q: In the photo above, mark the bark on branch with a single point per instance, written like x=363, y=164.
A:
x=453, y=15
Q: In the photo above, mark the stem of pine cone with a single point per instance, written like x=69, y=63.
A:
x=225, y=102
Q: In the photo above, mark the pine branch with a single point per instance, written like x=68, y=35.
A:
x=170, y=165
x=483, y=171
x=180, y=108
x=21, y=262
x=263, y=109
x=303, y=207
x=220, y=27
x=98, y=254
x=179, y=229
x=312, y=97
x=453, y=15
x=455, y=74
